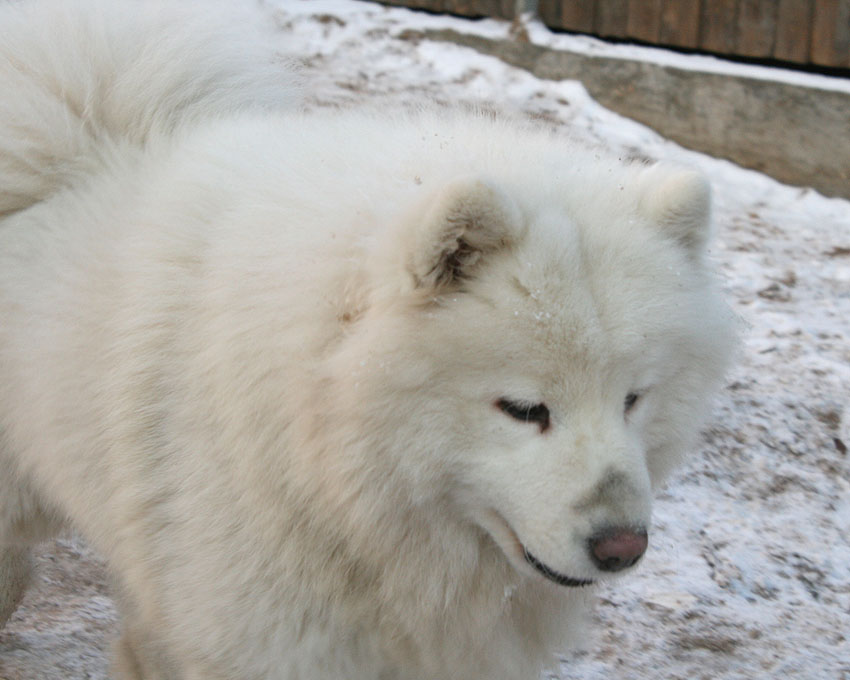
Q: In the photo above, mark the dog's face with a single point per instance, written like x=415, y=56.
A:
x=547, y=369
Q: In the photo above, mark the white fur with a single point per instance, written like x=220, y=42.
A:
x=253, y=355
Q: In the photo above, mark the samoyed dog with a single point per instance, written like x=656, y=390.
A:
x=338, y=395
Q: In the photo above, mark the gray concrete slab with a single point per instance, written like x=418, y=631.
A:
x=799, y=135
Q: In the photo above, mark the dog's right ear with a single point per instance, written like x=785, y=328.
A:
x=465, y=220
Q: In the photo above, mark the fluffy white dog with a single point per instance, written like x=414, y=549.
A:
x=337, y=395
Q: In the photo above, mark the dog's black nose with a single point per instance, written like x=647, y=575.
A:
x=617, y=548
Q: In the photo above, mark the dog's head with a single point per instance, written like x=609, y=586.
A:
x=545, y=356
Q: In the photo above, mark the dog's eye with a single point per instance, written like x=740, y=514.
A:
x=631, y=400
x=528, y=413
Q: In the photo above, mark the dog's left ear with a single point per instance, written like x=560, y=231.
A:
x=678, y=200
x=466, y=220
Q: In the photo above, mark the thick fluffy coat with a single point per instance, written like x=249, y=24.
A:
x=339, y=394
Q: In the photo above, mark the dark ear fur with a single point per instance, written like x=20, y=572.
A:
x=466, y=220
x=678, y=200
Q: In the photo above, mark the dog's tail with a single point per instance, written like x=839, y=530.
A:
x=78, y=79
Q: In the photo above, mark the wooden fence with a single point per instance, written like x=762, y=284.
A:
x=800, y=31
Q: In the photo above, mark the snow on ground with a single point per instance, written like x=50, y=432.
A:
x=748, y=575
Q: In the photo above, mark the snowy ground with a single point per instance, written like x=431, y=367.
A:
x=749, y=572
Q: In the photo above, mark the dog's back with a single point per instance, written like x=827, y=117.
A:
x=77, y=80
x=86, y=86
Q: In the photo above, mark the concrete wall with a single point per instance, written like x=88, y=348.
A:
x=798, y=135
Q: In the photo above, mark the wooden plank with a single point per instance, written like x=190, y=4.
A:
x=644, y=20
x=570, y=15
x=469, y=8
x=831, y=33
x=429, y=5
x=756, y=28
x=474, y=8
x=718, y=21
x=680, y=23
x=793, y=30
x=612, y=18
x=579, y=13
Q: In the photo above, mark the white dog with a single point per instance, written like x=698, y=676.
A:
x=337, y=395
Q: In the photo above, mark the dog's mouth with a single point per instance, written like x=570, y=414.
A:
x=552, y=575
x=514, y=548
